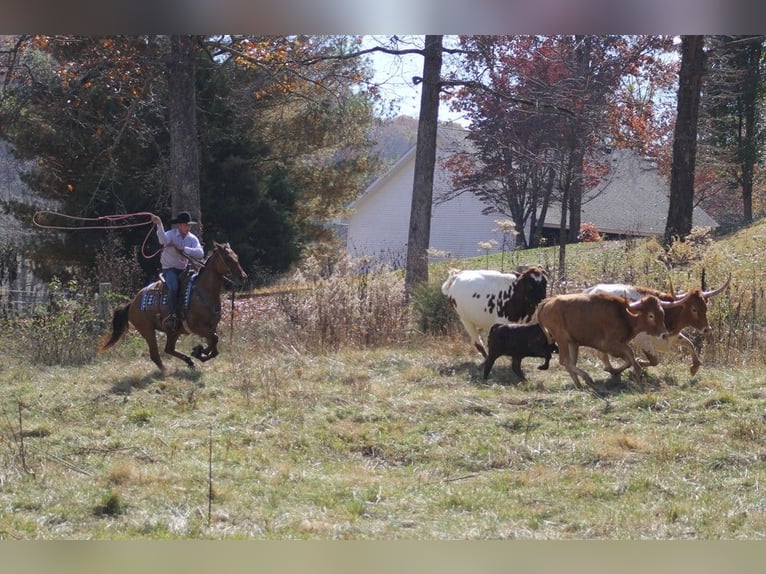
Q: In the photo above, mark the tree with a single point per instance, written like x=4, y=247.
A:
x=284, y=150
x=681, y=205
x=425, y=161
x=182, y=125
x=731, y=135
x=542, y=109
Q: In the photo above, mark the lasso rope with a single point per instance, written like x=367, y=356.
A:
x=112, y=220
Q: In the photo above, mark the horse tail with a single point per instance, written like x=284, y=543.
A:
x=119, y=326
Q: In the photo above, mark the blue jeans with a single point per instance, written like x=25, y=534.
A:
x=171, y=280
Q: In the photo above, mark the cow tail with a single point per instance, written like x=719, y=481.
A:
x=450, y=280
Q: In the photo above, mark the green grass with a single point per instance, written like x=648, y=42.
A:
x=399, y=441
x=387, y=443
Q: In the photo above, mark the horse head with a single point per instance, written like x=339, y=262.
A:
x=226, y=261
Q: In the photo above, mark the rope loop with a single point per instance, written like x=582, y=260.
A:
x=113, y=221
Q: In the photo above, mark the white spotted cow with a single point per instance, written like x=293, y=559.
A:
x=482, y=298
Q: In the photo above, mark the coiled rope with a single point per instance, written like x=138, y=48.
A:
x=112, y=222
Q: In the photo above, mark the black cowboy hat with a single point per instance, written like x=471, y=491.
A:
x=183, y=217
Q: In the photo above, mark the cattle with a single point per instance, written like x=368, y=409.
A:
x=600, y=321
x=482, y=298
x=517, y=342
x=693, y=313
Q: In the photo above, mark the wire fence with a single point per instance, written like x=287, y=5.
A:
x=23, y=302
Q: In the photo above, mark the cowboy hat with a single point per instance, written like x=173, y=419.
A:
x=183, y=217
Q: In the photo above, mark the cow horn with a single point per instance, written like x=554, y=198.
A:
x=677, y=302
x=714, y=292
x=635, y=305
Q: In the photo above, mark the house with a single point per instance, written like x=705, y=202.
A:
x=378, y=221
x=631, y=200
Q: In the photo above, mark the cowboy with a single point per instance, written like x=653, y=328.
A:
x=179, y=244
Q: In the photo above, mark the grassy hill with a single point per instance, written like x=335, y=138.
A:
x=305, y=427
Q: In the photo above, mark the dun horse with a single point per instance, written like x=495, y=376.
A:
x=201, y=309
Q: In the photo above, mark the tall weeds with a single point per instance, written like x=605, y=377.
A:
x=358, y=304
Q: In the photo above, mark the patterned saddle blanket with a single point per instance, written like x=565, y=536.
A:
x=156, y=293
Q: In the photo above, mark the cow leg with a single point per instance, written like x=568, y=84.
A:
x=546, y=364
x=473, y=333
x=567, y=359
x=516, y=367
x=488, y=365
x=685, y=342
x=608, y=365
x=626, y=353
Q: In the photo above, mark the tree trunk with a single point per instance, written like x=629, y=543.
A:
x=583, y=57
x=425, y=161
x=749, y=143
x=576, y=190
x=182, y=111
x=679, y=222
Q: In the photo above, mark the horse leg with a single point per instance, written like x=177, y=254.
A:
x=170, y=349
x=154, y=351
x=208, y=352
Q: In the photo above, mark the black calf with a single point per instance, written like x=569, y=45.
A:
x=517, y=341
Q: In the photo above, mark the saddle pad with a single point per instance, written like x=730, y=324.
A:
x=151, y=296
x=188, y=290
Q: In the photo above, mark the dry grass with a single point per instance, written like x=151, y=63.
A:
x=281, y=437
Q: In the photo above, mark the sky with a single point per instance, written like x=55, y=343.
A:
x=395, y=73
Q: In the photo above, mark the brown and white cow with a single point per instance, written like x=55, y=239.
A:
x=485, y=297
x=600, y=321
x=693, y=313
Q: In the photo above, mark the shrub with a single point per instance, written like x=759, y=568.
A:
x=356, y=304
x=431, y=308
x=588, y=233
x=67, y=332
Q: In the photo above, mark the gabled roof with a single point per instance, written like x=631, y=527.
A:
x=450, y=139
x=633, y=199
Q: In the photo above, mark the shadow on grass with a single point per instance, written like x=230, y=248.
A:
x=127, y=385
x=624, y=384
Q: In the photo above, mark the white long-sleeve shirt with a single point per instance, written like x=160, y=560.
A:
x=170, y=240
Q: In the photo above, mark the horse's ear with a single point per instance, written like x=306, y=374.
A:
x=216, y=245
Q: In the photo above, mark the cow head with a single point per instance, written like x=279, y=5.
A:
x=530, y=288
x=691, y=309
x=649, y=315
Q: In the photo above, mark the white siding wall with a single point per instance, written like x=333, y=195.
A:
x=457, y=226
x=379, y=223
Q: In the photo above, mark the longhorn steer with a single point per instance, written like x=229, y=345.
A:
x=693, y=313
x=603, y=322
x=485, y=297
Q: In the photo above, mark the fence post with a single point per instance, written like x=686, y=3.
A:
x=103, y=302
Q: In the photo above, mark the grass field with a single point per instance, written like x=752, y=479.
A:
x=275, y=439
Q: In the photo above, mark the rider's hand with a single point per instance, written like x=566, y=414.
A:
x=156, y=219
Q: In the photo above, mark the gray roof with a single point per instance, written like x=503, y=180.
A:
x=632, y=199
